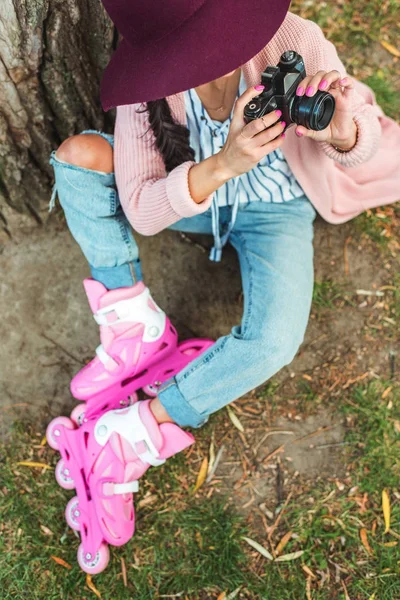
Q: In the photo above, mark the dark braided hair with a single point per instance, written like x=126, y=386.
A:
x=172, y=139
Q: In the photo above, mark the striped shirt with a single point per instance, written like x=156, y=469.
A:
x=270, y=181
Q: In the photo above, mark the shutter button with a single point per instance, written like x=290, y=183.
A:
x=153, y=331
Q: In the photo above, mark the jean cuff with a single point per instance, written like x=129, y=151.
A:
x=120, y=276
x=178, y=407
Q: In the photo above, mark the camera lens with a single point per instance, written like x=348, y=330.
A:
x=314, y=112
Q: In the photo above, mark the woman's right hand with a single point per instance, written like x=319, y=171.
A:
x=247, y=144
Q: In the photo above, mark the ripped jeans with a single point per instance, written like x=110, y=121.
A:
x=275, y=250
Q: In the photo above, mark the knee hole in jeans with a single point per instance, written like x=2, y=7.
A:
x=89, y=151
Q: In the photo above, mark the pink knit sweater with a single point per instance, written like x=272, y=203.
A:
x=340, y=186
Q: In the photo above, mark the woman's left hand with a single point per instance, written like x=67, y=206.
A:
x=342, y=130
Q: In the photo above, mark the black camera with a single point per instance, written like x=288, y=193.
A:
x=281, y=83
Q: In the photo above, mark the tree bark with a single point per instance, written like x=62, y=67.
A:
x=52, y=55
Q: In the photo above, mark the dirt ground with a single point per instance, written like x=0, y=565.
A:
x=48, y=332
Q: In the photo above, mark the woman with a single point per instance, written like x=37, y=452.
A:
x=185, y=159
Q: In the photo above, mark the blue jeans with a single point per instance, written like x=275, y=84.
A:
x=274, y=245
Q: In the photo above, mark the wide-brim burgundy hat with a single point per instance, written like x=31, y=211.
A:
x=170, y=46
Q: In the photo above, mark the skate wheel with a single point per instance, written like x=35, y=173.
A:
x=78, y=414
x=93, y=565
x=151, y=390
x=53, y=432
x=63, y=476
x=72, y=513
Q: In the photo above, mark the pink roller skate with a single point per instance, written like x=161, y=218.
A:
x=139, y=349
x=103, y=460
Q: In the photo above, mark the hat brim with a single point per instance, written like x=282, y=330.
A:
x=218, y=38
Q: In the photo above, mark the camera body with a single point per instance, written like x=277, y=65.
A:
x=281, y=83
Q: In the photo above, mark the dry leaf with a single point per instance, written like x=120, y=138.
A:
x=259, y=548
x=291, y=556
x=124, y=572
x=234, y=419
x=390, y=48
x=46, y=530
x=222, y=596
x=372, y=597
x=308, y=588
x=346, y=593
x=91, y=586
x=386, y=509
x=390, y=544
x=308, y=571
x=364, y=541
x=44, y=441
x=283, y=542
x=211, y=461
x=61, y=562
x=148, y=500
x=26, y=463
x=201, y=477
x=386, y=392
x=233, y=594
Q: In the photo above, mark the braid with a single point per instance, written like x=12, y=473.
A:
x=172, y=139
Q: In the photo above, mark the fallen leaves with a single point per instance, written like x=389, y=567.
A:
x=289, y=557
x=386, y=509
x=264, y=552
x=34, y=465
x=91, y=586
x=364, y=541
x=283, y=542
x=61, y=562
x=201, y=477
x=235, y=420
x=390, y=48
x=123, y=569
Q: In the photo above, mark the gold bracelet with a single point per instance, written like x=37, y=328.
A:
x=350, y=149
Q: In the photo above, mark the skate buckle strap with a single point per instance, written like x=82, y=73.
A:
x=135, y=310
x=130, y=487
x=104, y=357
x=129, y=425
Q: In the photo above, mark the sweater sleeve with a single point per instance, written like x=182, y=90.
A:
x=365, y=115
x=151, y=199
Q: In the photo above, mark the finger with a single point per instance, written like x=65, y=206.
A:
x=269, y=134
x=322, y=82
x=237, y=117
x=303, y=85
x=270, y=147
x=346, y=83
x=259, y=125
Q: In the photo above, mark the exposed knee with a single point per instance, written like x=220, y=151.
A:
x=88, y=150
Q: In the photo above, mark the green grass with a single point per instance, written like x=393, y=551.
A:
x=194, y=545
x=326, y=293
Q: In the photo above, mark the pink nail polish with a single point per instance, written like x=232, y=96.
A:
x=299, y=134
x=310, y=90
x=283, y=124
x=278, y=113
x=259, y=88
x=300, y=91
x=343, y=80
x=323, y=84
x=283, y=135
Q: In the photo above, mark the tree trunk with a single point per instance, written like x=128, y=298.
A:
x=52, y=55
